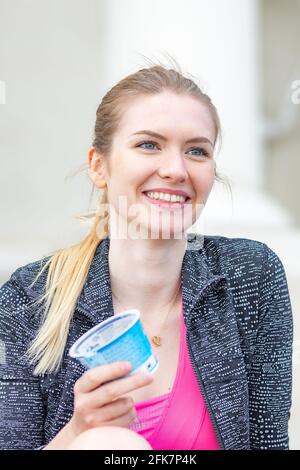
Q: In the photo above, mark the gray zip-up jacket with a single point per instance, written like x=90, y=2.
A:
x=239, y=332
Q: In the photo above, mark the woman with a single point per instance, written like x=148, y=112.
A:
x=217, y=311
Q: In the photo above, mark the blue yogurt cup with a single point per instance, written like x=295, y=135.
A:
x=119, y=338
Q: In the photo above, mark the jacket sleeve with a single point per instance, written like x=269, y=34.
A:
x=21, y=401
x=270, y=382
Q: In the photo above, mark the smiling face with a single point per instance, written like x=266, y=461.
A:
x=179, y=159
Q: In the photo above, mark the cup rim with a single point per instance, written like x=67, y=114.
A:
x=113, y=318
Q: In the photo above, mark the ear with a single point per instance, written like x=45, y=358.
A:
x=96, y=169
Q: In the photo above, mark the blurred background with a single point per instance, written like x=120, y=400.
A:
x=59, y=57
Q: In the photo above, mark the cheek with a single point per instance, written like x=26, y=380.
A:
x=132, y=172
x=205, y=180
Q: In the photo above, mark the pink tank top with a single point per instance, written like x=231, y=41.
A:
x=177, y=420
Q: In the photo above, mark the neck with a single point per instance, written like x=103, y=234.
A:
x=145, y=274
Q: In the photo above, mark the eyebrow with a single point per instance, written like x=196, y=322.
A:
x=159, y=136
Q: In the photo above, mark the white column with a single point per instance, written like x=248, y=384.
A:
x=215, y=41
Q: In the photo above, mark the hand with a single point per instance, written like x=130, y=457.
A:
x=98, y=403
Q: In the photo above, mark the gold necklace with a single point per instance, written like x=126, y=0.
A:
x=156, y=339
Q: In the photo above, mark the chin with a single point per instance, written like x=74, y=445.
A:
x=163, y=232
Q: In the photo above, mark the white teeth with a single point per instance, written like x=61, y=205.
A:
x=165, y=197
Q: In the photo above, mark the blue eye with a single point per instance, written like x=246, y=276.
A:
x=150, y=142
x=146, y=142
x=201, y=150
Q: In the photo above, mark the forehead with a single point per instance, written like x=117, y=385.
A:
x=168, y=113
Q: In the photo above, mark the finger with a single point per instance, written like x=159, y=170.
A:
x=121, y=420
x=96, y=376
x=111, y=411
x=124, y=420
x=113, y=390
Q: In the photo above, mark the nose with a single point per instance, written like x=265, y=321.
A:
x=173, y=167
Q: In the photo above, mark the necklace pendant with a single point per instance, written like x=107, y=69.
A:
x=156, y=340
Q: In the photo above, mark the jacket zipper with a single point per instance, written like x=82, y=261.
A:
x=199, y=378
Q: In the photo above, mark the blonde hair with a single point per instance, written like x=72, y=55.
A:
x=68, y=267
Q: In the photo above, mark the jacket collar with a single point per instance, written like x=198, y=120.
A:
x=95, y=300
